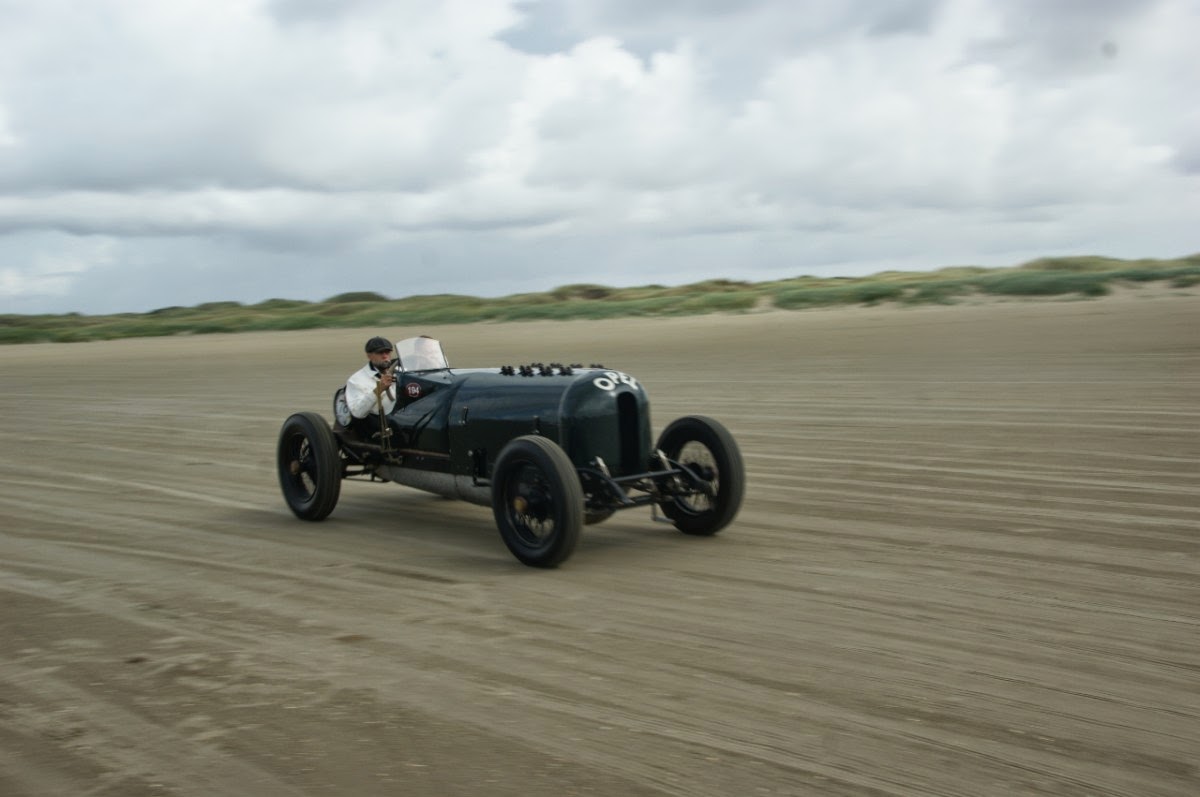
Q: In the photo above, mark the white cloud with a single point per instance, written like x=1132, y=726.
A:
x=310, y=134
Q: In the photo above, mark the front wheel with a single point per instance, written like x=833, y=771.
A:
x=708, y=451
x=537, y=501
x=310, y=470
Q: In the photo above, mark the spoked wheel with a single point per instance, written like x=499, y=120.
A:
x=537, y=501
x=707, y=450
x=310, y=470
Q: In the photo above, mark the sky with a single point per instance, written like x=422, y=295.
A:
x=155, y=154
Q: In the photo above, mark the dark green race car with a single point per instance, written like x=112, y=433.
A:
x=549, y=447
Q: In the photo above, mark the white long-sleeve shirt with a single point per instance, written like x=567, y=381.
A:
x=360, y=393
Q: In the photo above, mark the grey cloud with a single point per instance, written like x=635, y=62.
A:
x=543, y=28
x=774, y=24
x=902, y=16
x=707, y=17
x=740, y=41
x=1062, y=38
x=316, y=11
x=1187, y=158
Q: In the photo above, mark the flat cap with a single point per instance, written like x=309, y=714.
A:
x=378, y=344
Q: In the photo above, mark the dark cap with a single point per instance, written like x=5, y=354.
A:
x=378, y=344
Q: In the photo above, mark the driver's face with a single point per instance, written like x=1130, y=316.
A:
x=380, y=358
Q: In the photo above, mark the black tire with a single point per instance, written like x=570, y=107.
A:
x=707, y=447
x=310, y=470
x=537, y=501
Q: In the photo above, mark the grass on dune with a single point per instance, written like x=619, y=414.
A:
x=1087, y=276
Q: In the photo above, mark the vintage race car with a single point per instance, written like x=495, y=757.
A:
x=549, y=447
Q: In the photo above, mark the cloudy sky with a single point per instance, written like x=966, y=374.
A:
x=170, y=153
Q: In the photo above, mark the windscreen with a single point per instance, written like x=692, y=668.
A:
x=421, y=354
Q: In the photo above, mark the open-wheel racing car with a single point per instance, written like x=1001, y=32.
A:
x=549, y=447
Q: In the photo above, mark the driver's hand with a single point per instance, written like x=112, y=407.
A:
x=385, y=381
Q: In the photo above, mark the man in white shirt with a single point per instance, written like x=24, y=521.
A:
x=369, y=389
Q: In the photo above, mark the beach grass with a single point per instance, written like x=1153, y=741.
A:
x=1069, y=277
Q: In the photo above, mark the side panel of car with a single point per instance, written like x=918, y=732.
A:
x=489, y=410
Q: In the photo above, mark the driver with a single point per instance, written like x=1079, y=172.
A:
x=369, y=388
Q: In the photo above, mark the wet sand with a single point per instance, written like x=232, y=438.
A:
x=968, y=563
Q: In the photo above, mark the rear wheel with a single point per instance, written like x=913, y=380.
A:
x=708, y=451
x=310, y=470
x=537, y=501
